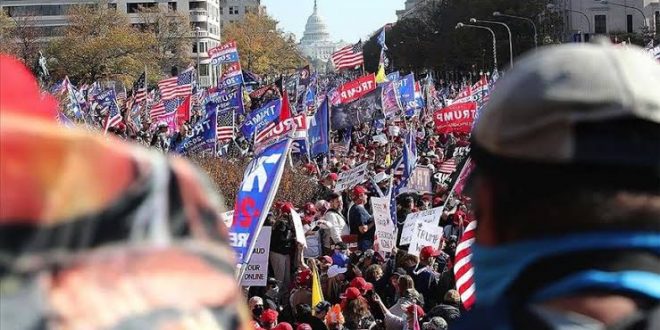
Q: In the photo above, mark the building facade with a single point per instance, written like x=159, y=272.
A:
x=50, y=17
x=316, y=44
x=409, y=8
x=589, y=17
x=235, y=10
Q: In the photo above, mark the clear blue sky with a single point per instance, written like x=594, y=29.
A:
x=349, y=20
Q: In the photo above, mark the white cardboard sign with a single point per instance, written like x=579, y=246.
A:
x=385, y=229
x=430, y=216
x=426, y=234
x=256, y=273
x=351, y=178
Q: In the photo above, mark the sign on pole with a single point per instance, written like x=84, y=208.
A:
x=256, y=273
x=426, y=234
x=409, y=227
x=298, y=227
x=385, y=229
x=351, y=178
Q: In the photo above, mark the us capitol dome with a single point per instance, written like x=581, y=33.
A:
x=315, y=43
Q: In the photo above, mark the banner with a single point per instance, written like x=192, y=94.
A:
x=356, y=89
x=427, y=216
x=256, y=273
x=351, y=178
x=298, y=124
x=227, y=98
x=420, y=181
x=390, y=100
x=258, y=119
x=364, y=110
x=225, y=53
x=393, y=76
x=255, y=196
x=201, y=138
x=318, y=132
x=426, y=234
x=233, y=76
x=385, y=228
x=456, y=118
x=406, y=93
x=299, y=147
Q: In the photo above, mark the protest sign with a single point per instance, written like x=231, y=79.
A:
x=256, y=273
x=351, y=178
x=385, y=229
x=228, y=218
x=298, y=227
x=409, y=227
x=426, y=234
x=419, y=181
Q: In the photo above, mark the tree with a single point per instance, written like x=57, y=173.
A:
x=172, y=34
x=263, y=48
x=20, y=37
x=100, y=43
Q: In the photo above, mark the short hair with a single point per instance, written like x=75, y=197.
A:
x=333, y=196
x=452, y=297
x=405, y=282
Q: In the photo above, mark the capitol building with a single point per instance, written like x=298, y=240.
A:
x=316, y=44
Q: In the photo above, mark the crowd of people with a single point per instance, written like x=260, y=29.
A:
x=363, y=287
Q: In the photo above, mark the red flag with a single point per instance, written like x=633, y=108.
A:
x=183, y=112
x=285, y=112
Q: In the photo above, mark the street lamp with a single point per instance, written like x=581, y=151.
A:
x=474, y=20
x=605, y=2
x=197, y=47
x=461, y=25
x=498, y=14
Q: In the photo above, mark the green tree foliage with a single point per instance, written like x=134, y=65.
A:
x=263, y=48
x=428, y=39
x=101, y=43
x=20, y=38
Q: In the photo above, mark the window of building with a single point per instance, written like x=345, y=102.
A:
x=203, y=69
x=39, y=10
x=600, y=24
x=222, y=10
x=133, y=8
x=233, y=10
x=657, y=21
x=171, y=6
x=629, y=23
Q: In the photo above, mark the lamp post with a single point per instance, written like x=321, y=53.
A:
x=462, y=25
x=197, y=48
x=552, y=6
x=474, y=20
x=605, y=2
x=498, y=14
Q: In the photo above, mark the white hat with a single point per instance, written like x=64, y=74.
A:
x=335, y=270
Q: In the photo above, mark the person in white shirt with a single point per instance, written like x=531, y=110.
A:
x=333, y=225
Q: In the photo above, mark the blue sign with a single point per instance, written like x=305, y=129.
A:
x=259, y=118
x=227, y=98
x=406, y=87
x=202, y=137
x=225, y=58
x=317, y=133
x=255, y=196
x=393, y=76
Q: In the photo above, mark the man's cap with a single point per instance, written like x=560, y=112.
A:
x=283, y=326
x=327, y=259
x=322, y=306
x=269, y=316
x=335, y=270
x=351, y=293
x=359, y=190
x=581, y=105
x=332, y=176
x=428, y=251
x=361, y=284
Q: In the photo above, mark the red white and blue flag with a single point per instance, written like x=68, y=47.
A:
x=348, y=57
x=179, y=86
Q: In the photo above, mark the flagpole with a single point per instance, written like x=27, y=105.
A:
x=453, y=187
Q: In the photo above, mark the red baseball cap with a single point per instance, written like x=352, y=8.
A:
x=283, y=326
x=428, y=251
x=327, y=259
x=304, y=326
x=359, y=190
x=332, y=176
x=287, y=207
x=269, y=316
x=352, y=293
x=361, y=284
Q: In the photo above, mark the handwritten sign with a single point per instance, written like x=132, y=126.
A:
x=426, y=234
x=409, y=227
x=385, y=229
x=351, y=178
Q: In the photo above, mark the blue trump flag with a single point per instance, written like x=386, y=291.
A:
x=227, y=98
x=259, y=118
x=202, y=137
x=317, y=133
x=393, y=76
x=406, y=89
x=409, y=162
x=255, y=196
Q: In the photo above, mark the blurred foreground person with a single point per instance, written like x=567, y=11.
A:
x=568, y=193
x=95, y=233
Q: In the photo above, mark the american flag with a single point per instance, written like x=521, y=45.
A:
x=225, y=125
x=348, y=57
x=140, y=88
x=448, y=166
x=179, y=86
x=114, y=116
x=164, y=107
x=463, y=270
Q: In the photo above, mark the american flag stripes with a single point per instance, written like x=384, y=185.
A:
x=448, y=167
x=179, y=86
x=463, y=270
x=140, y=88
x=164, y=107
x=348, y=57
x=225, y=127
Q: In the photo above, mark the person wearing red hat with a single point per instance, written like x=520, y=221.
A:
x=268, y=319
x=360, y=221
x=282, y=246
x=283, y=326
x=327, y=186
x=414, y=313
x=426, y=277
x=356, y=310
